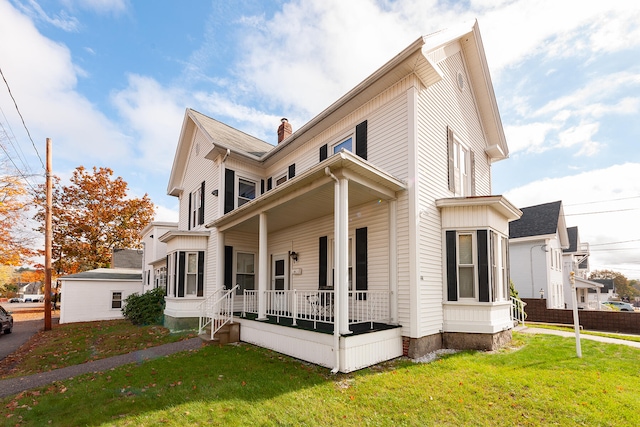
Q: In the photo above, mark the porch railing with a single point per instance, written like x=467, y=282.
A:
x=217, y=310
x=517, y=310
x=319, y=306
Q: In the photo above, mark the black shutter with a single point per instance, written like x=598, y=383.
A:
x=200, y=273
x=229, y=193
x=292, y=171
x=483, y=266
x=322, y=263
x=175, y=274
x=361, y=140
x=323, y=152
x=452, y=267
x=472, y=161
x=201, y=210
x=166, y=283
x=361, y=261
x=262, y=186
x=452, y=182
x=269, y=184
x=228, y=267
x=181, y=271
x=189, y=212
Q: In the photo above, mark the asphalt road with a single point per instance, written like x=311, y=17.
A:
x=22, y=329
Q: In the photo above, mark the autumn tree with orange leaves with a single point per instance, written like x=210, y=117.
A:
x=91, y=217
x=15, y=237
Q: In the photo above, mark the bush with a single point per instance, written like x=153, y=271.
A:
x=145, y=309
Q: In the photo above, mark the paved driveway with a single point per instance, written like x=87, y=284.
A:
x=22, y=331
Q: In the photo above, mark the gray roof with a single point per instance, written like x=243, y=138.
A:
x=127, y=258
x=228, y=137
x=106, y=274
x=539, y=220
x=573, y=239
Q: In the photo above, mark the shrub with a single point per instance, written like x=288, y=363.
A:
x=145, y=309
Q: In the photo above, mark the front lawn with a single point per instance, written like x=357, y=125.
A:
x=537, y=382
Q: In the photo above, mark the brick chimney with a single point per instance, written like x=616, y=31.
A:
x=284, y=130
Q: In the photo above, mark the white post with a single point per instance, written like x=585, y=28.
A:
x=343, y=253
x=576, y=321
x=262, y=267
x=220, y=264
x=393, y=262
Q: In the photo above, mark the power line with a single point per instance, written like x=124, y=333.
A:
x=614, y=243
x=18, y=169
x=603, y=201
x=21, y=118
x=601, y=212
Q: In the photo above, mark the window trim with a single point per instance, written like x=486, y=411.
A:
x=195, y=206
x=341, y=141
x=114, y=300
x=236, y=252
x=473, y=265
x=462, y=177
x=256, y=185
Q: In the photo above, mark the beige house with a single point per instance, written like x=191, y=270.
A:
x=368, y=233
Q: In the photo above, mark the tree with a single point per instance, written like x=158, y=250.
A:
x=620, y=282
x=91, y=217
x=15, y=241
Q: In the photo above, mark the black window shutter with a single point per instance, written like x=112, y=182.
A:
x=292, y=171
x=323, y=152
x=175, y=274
x=361, y=140
x=452, y=183
x=322, y=263
x=228, y=267
x=200, y=273
x=166, y=284
x=452, y=267
x=269, y=184
x=472, y=166
x=483, y=266
x=229, y=193
x=181, y=267
x=201, y=210
x=361, y=261
x=189, y=214
x=262, y=186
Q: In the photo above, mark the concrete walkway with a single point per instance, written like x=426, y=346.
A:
x=12, y=386
x=534, y=330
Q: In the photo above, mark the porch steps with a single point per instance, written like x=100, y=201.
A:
x=229, y=333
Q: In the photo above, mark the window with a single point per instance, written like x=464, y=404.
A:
x=116, y=300
x=186, y=274
x=331, y=262
x=161, y=278
x=461, y=169
x=281, y=180
x=245, y=272
x=246, y=191
x=347, y=144
x=196, y=207
x=466, y=268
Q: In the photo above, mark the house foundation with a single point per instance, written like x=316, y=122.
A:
x=176, y=324
x=468, y=341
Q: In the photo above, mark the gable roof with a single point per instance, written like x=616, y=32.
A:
x=420, y=58
x=541, y=221
x=126, y=258
x=106, y=274
x=572, y=232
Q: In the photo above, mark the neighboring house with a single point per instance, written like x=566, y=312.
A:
x=607, y=292
x=373, y=222
x=99, y=294
x=155, y=255
x=536, y=242
x=576, y=258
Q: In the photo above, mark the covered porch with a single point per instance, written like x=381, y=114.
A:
x=316, y=294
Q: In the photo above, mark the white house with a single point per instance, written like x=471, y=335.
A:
x=99, y=294
x=536, y=242
x=155, y=255
x=576, y=258
x=368, y=233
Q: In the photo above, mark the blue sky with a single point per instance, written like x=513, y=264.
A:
x=109, y=80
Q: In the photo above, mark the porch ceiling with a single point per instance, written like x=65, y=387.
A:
x=310, y=195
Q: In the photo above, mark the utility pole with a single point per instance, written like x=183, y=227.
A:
x=48, y=237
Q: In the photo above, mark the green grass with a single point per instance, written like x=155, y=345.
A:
x=634, y=338
x=538, y=382
x=75, y=343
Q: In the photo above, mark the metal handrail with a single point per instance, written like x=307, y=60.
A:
x=217, y=310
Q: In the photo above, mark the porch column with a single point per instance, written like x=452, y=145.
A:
x=220, y=262
x=262, y=267
x=342, y=253
x=393, y=262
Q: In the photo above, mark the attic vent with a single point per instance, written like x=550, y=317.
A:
x=460, y=79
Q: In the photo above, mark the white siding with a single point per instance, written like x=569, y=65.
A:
x=90, y=300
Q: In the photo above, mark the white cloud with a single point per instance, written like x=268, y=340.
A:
x=99, y=6
x=581, y=135
x=529, y=138
x=604, y=204
x=60, y=20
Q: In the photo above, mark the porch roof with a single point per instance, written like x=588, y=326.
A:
x=310, y=194
x=172, y=234
x=588, y=284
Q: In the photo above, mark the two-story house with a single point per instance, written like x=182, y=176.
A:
x=576, y=259
x=367, y=233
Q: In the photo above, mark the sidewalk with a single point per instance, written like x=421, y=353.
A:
x=534, y=330
x=12, y=386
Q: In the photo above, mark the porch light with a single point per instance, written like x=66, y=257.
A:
x=541, y=293
x=293, y=255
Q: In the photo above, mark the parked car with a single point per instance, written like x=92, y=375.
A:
x=16, y=299
x=622, y=306
x=6, y=321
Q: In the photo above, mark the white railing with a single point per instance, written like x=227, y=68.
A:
x=517, y=310
x=217, y=310
x=318, y=306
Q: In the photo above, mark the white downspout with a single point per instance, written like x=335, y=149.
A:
x=336, y=313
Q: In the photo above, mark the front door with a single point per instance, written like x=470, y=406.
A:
x=279, y=276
